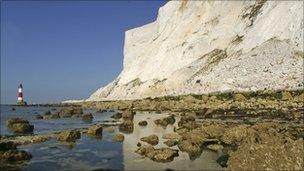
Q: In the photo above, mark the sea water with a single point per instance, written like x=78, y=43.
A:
x=89, y=153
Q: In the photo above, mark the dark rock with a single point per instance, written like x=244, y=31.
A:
x=19, y=125
x=13, y=109
x=101, y=111
x=69, y=136
x=138, y=144
x=143, y=123
x=38, y=116
x=222, y=160
x=152, y=139
x=14, y=155
x=95, y=130
x=87, y=117
x=5, y=146
x=127, y=126
x=47, y=113
x=117, y=115
x=118, y=137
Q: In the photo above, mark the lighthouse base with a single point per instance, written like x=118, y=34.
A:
x=21, y=103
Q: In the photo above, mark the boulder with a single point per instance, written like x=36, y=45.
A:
x=70, y=111
x=95, y=130
x=126, y=126
x=165, y=121
x=5, y=146
x=117, y=115
x=152, y=139
x=118, y=137
x=192, y=149
x=69, y=136
x=128, y=114
x=171, y=142
x=158, y=155
x=143, y=123
x=14, y=155
x=87, y=117
x=19, y=125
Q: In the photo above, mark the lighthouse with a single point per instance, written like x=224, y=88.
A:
x=20, y=100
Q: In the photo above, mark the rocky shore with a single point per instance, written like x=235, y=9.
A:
x=261, y=130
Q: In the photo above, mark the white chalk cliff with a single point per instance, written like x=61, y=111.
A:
x=198, y=47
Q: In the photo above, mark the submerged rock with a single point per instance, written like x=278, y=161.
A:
x=152, y=139
x=158, y=155
x=118, y=137
x=222, y=160
x=69, y=136
x=19, y=125
x=143, y=123
x=95, y=130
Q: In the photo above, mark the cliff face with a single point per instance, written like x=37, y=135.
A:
x=201, y=47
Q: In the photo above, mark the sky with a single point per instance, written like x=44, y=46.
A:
x=62, y=50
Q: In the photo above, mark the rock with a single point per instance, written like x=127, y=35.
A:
x=214, y=130
x=272, y=153
x=5, y=146
x=118, y=137
x=222, y=160
x=152, y=139
x=14, y=155
x=158, y=155
x=38, y=116
x=239, y=97
x=143, y=123
x=215, y=147
x=128, y=114
x=117, y=115
x=192, y=149
x=188, y=122
x=138, y=144
x=95, y=130
x=70, y=111
x=286, y=96
x=87, y=117
x=19, y=125
x=171, y=142
x=47, y=113
x=165, y=121
x=126, y=126
x=69, y=136
x=13, y=109
x=171, y=136
x=54, y=116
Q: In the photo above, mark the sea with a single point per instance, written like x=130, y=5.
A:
x=90, y=153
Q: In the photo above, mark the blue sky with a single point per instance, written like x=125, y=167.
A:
x=65, y=49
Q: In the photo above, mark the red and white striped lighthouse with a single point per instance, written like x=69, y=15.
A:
x=20, y=94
